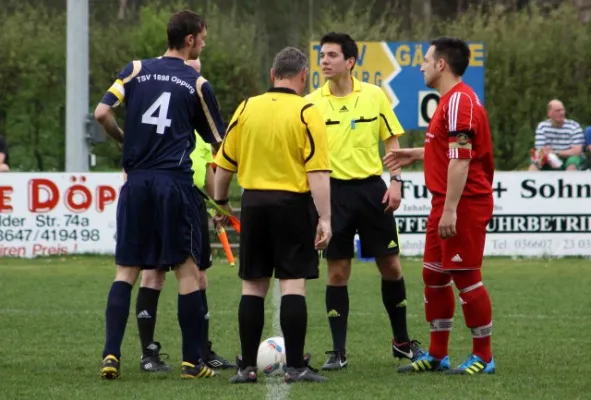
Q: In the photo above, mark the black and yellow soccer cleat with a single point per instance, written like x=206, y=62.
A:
x=110, y=367
x=426, y=363
x=192, y=371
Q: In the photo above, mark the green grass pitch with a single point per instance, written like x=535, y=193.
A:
x=52, y=332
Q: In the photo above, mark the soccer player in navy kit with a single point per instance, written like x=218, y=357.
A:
x=158, y=214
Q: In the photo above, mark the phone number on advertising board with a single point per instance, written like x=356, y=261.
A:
x=62, y=235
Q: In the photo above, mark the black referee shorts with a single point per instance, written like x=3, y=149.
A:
x=278, y=229
x=357, y=208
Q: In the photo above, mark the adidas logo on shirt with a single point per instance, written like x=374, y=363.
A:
x=456, y=258
x=344, y=109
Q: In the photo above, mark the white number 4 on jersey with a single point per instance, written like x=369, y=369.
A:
x=161, y=106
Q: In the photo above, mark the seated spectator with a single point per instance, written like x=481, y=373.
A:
x=558, y=143
x=4, y=159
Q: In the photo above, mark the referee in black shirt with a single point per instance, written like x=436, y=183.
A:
x=277, y=144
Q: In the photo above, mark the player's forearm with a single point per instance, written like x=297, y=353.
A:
x=222, y=180
x=209, y=181
x=457, y=174
x=320, y=187
x=104, y=115
x=419, y=153
x=392, y=143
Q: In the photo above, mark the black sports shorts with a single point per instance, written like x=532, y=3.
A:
x=357, y=208
x=278, y=229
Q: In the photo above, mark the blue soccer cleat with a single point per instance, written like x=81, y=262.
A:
x=426, y=363
x=474, y=365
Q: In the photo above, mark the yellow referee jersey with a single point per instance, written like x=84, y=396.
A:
x=355, y=124
x=273, y=141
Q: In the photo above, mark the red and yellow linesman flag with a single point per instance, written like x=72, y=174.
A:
x=223, y=236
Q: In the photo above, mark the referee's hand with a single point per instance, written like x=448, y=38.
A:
x=392, y=197
x=323, y=234
x=222, y=219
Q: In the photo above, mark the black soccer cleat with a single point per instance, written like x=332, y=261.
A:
x=110, y=367
x=336, y=361
x=213, y=360
x=409, y=350
x=244, y=374
x=304, y=374
x=152, y=359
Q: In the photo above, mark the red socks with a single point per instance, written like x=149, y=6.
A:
x=439, y=309
x=440, y=304
x=477, y=309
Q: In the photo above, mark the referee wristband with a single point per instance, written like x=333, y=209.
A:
x=222, y=202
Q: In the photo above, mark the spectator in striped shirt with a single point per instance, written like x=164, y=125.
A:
x=559, y=136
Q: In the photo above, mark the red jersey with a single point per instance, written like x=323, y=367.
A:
x=459, y=129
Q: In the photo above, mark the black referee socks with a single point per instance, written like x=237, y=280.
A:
x=337, y=310
x=146, y=307
x=251, y=319
x=294, y=323
x=394, y=299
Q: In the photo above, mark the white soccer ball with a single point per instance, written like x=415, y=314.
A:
x=271, y=356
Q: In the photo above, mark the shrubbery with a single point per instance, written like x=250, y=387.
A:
x=531, y=57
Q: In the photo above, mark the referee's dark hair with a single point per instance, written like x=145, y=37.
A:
x=454, y=51
x=182, y=24
x=289, y=62
x=348, y=45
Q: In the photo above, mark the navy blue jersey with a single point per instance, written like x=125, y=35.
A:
x=166, y=100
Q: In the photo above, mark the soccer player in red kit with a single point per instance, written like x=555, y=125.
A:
x=459, y=168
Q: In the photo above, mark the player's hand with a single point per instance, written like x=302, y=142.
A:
x=323, y=234
x=392, y=197
x=222, y=219
x=395, y=159
x=447, y=224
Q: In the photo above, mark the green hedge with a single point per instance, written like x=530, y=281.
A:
x=531, y=57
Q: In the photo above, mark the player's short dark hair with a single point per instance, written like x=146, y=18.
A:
x=289, y=62
x=348, y=45
x=180, y=25
x=454, y=51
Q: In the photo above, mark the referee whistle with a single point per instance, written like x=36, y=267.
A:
x=352, y=124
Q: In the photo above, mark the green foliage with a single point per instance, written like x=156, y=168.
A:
x=30, y=77
x=531, y=57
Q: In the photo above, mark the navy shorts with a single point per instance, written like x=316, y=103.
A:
x=158, y=221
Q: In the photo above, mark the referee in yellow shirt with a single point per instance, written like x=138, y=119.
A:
x=153, y=280
x=276, y=142
x=358, y=115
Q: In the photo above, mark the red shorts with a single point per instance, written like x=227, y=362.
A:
x=466, y=249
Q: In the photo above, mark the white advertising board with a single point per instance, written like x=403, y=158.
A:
x=536, y=214
x=45, y=214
